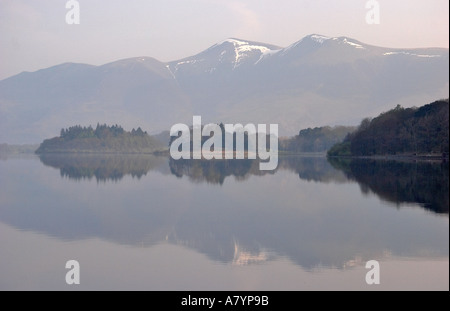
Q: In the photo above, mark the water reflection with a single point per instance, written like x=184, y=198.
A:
x=109, y=167
x=215, y=171
x=115, y=167
x=308, y=210
x=424, y=183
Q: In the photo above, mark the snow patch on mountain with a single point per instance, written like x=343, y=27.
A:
x=356, y=45
x=242, y=49
x=319, y=38
x=188, y=62
x=170, y=70
x=233, y=52
x=267, y=54
x=411, y=54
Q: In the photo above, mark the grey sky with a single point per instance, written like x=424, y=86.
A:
x=34, y=34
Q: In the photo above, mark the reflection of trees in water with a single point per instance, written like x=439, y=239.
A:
x=316, y=169
x=243, y=234
x=115, y=167
x=103, y=168
x=394, y=181
x=215, y=171
x=425, y=183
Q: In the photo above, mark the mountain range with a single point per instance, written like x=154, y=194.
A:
x=316, y=81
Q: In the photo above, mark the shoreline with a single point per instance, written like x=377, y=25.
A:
x=396, y=157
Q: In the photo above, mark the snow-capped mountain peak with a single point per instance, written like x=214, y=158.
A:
x=318, y=38
x=230, y=53
x=244, y=50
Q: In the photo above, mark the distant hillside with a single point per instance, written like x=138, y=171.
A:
x=17, y=149
x=163, y=137
x=319, y=139
x=102, y=139
x=400, y=131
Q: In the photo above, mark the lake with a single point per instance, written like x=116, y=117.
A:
x=141, y=222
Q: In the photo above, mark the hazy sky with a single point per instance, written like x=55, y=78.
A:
x=34, y=34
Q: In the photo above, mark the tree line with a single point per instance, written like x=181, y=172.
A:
x=400, y=131
x=318, y=139
x=101, y=131
x=103, y=139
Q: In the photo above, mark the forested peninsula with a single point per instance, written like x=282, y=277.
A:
x=417, y=132
x=102, y=139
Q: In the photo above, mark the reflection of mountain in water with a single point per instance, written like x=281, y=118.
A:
x=105, y=167
x=424, y=183
x=268, y=219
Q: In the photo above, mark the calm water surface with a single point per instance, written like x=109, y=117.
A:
x=147, y=223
